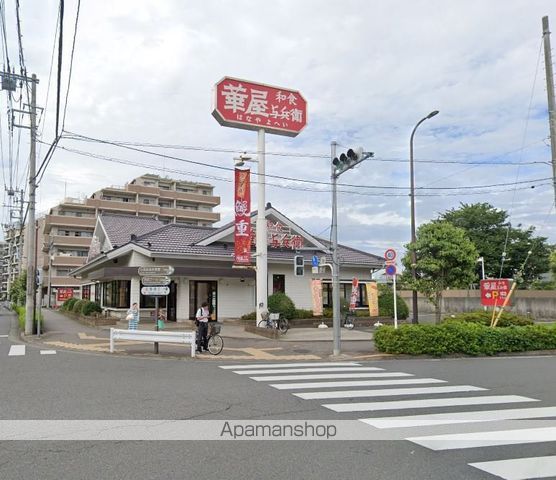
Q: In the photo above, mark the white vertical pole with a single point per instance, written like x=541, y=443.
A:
x=337, y=334
x=395, y=303
x=261, y=241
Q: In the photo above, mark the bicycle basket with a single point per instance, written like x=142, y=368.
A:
x=215, y=329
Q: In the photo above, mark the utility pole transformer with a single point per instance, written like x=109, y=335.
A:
x=550, y=93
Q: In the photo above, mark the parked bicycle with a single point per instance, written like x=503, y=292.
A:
x=215, y=342
x=274, y=320
x=349, y=320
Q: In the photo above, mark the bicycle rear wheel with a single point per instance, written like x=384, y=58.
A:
x=215, y=344
x=263, y=324
x=283, y=325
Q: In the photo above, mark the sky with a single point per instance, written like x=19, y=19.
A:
x=144, y=71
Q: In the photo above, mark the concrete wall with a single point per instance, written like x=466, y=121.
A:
x=540, y=304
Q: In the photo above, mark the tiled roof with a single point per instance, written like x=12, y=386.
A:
x=119, y=228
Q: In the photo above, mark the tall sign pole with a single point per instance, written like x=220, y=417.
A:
x=335, y=263
x=551, y=101
x=264, y=109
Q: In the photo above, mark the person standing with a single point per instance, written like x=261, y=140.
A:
x=202, y=318
x=133, y=317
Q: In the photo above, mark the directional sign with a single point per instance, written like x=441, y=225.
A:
x=156, y=280
x=390, y=254
x=155, y=291
x=494, y=291
x=391, y=270
x=160, y=270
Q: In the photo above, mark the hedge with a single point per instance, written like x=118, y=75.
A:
x=90, y=307
x=68, y=304
x=506, y=320
x=463, y=338
x=281, y=303
x=78, y=306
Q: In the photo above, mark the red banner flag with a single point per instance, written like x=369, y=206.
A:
x=242, y=207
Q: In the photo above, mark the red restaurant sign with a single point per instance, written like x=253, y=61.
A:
x=63, y=294
x=253, y=106
x=494, y=292
x=242, y=229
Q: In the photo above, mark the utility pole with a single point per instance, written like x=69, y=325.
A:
x=550, y=93
x=335, y=263
x=30, y=237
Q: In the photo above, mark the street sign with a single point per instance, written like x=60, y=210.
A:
x=390, y=255
x=254, y=106
x=156, y=280
x=494, y=291
x=160, y=270
x=391, y=270
x=155, y=291
x=315, y=270
x=315, y=261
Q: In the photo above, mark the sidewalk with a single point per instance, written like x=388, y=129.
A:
x=297, y=344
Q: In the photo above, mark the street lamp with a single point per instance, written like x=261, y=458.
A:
x=412, y=195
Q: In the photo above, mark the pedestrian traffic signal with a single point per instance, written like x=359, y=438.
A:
x=298, y=266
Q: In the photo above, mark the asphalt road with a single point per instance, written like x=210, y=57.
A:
x=75, y=386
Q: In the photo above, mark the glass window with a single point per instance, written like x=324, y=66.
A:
x=278, y=284
x=86, y=292
x=116, y=294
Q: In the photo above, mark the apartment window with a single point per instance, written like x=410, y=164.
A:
x=164, y=187
x=206, y=192
x=125, y=199
x=63, y=272
x=148, y=184
x=116, y=294
x=107, y=197
x=146, y=201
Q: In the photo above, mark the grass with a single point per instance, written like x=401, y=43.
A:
x=21, y=318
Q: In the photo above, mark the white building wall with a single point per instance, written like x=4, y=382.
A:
x=135, y=293
x=235, y=298
x=182, y=300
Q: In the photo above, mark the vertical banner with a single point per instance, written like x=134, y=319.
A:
x=316, y=291
x=354, y=297
x=372, y=297
x=242, y=207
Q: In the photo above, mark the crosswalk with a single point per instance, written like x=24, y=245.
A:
x=338, y=384
x=21, y=350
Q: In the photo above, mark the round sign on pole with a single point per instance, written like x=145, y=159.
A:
x=391, y=270
x=390, y=254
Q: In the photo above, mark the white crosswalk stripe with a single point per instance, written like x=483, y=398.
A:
x=48, y=352
x=520, y=468
x=16, y=350
x=322, y=381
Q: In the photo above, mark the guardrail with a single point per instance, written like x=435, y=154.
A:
x=153, y=337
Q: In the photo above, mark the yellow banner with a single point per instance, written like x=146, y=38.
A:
x=372, y=296
x=316, y=291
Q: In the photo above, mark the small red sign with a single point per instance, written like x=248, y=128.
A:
x=252, y=106
x=494, y=292
x=63, y=294
x=242, y=206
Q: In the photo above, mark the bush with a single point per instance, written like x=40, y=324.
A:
x=90, y=307
x=302, y=313
x=281, y=303
x=78, y=306
x=506, y=320
x=386, y=304
x=67, y=306
x=249, y=316
x=464, y=337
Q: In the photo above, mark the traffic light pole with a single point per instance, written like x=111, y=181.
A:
x=261, y=240
x=335, y=263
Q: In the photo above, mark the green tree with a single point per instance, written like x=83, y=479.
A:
x=446, y=258
x=18, y=290
x=489, y=229
x=553, y=264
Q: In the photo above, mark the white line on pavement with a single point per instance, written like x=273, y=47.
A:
x=426, y=403
x=356, y=383
x=48, y=352
x=307, y=370
x=387, y=392
x=460, y=417
x=292, y=364
x=3, y=336
x=486, y=439
x=16, y=350
x=326, y=376
x=520, y=468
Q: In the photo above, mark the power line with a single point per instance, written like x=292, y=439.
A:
x=71, y=61
x=60, y=49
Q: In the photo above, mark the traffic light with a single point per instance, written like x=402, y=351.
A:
x=349, y=160
x=298, y=266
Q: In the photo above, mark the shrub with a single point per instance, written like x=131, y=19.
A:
x=21, y=318
x=463, y=337
x=281, y=303
x=327, y=312
x=68, y=304
x=78, y=306
x=386, y=303
x=249, y=316
x=302, y=313
x=506, y=320
x=90, y=307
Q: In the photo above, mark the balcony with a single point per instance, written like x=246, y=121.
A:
x=67, y=221
x=64, y=282
x=183, y=214
x=67, y=241
x=67, y=261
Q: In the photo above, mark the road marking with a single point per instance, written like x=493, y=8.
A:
x=280, y=365
x=426, y=403
x=16, y=350
x=3, y=336
x=307, y=370
x=48, y=352
x=486, y=439
x=520, y=468
x=326, y=376
x=357, y=383
x=460, y=417
x=387, y=392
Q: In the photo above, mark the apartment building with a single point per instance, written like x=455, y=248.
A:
x=68, y=227
x=10, y=250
